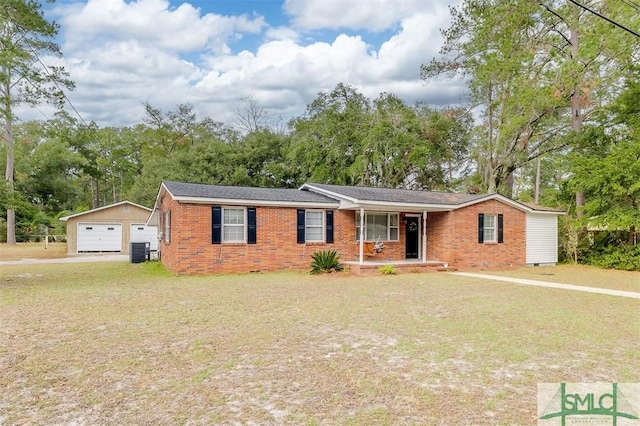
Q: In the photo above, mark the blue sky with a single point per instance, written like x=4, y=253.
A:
x=213, y=54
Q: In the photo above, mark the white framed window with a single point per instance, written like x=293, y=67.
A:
x=314, y=225
x=489, y=228
x=379, y=226
x=233, y=225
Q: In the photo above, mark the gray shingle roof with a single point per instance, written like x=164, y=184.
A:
x=405, y=196
x=198, y=190
x=359, y=193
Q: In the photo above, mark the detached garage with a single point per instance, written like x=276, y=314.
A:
x=110, y=229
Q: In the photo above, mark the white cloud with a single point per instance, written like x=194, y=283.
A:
x=370, y=15
x=155, y=23
x=123, y=53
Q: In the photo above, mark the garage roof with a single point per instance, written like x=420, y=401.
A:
x=65, y=218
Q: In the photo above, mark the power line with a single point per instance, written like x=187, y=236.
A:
x=46, y=69
x=632, y=4
x=605, y=18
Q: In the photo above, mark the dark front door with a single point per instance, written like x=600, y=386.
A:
x=412, y=237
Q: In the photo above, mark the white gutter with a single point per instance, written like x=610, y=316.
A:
x=247, y=202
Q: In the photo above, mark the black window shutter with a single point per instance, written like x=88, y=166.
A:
x=501, y=228
x=329, y=229
x=216, y=225
x=480, y=228
x=251, y=225
x=301, y=230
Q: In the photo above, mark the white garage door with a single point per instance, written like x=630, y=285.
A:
x=145, y=234
x=99, y=237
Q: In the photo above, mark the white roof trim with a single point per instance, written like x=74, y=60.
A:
x=65, y=218
x=509, y=202
x=329, y=193
x=157, y=202
x=152, y=220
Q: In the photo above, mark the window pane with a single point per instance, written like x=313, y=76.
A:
x=313, y=218
x=489, y=221
x=234, y=233
x=377, y=227
x=393, y=220
x=489, y=227
x=393, y=234
x=314, y=234
x=233, y=216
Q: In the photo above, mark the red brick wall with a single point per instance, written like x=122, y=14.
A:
x=190, y=250
x=453, y=237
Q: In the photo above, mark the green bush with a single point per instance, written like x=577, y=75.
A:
x=387, y=270
x=626, y=258
x=325, y=261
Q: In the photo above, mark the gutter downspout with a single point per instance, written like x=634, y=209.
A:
x=361, y=235
x=424, y=236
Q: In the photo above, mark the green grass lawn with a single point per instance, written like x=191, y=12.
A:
x=122, y=343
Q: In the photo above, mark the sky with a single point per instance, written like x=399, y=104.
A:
x=212, y=54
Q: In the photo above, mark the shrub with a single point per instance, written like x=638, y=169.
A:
x=616, y=257
x=387, y=270
x=325, y=261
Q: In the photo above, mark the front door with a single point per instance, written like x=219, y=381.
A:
x=412, y=237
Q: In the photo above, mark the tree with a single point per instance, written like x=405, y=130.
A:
x=535, y=70
x=440, y=160
x=387, y=143
x=25, y=35
x=328, y=139
x=607, y=168
x=262, y=154
x=177, y=146
x=48, y=170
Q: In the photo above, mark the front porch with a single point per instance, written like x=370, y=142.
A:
x=370, y=267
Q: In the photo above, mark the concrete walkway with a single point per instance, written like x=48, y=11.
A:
x=597, y=290
x=71, y=259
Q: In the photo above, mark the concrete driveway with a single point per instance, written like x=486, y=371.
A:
x=82, y=258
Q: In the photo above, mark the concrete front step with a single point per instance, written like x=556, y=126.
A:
x=373, y=268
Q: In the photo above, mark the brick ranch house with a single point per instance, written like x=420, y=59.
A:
x=208, y=229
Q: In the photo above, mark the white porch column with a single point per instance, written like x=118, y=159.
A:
x=424, y=236
x=361, y=235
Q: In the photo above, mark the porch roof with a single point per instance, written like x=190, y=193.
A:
x=390, y=199
x=407, y=200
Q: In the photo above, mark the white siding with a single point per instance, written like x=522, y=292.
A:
x=141, y=233
x=542, y=239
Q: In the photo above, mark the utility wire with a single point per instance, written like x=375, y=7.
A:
x=605, y=18
x=632, y=4
x=46, y=69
